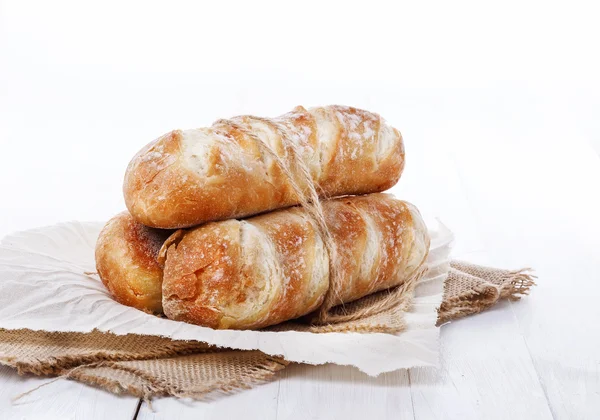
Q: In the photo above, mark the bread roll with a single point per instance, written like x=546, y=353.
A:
x=126, y=260
x=248, y=274
x=226, y=171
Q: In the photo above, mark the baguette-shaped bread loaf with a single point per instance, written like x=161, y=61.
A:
x=248, y=274
x=126, y=260
x=233, y=169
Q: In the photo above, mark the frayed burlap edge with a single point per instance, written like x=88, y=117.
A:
x=86, y=349
x=489, y=285
x=118, y=378
x=147, y=386
x=517, y=284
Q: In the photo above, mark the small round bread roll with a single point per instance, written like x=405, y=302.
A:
x=126, y=260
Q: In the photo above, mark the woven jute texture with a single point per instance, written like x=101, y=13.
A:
x=147, y=366
x=471, y=288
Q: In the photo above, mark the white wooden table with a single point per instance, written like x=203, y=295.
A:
x=514, y=173
x=498, y=104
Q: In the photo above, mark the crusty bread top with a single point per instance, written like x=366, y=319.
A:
x=189, y=177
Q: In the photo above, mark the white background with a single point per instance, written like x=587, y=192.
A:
x=499, y=105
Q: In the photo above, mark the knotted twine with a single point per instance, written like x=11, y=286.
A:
x=297, y=173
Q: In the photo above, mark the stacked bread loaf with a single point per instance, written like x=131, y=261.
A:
x=214, y=234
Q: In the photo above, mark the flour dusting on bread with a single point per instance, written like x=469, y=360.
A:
x=276, y=266
x=229, y=170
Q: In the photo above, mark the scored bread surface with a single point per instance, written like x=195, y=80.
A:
x=275, y=267
x=189, y=177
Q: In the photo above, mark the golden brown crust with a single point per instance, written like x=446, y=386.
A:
x=126, y=254
x=295, y=242
x=170, y=184
x=394, y=226
x=212, y=280
x=352, y=168
x=206, y=262
x=274, y=267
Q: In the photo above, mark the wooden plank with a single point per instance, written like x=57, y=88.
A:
x=63, y=399
x=485, y=373
x=485, y=370
x=554, y=227
x=303, y=392
x=257, y=403
x=340, y=392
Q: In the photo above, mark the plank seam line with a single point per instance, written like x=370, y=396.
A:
x=137, y=409
x=412, y=401
x=535, y=368
x=277, y=403
x=485, y=241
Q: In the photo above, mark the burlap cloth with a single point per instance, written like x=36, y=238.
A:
x=147, y=366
